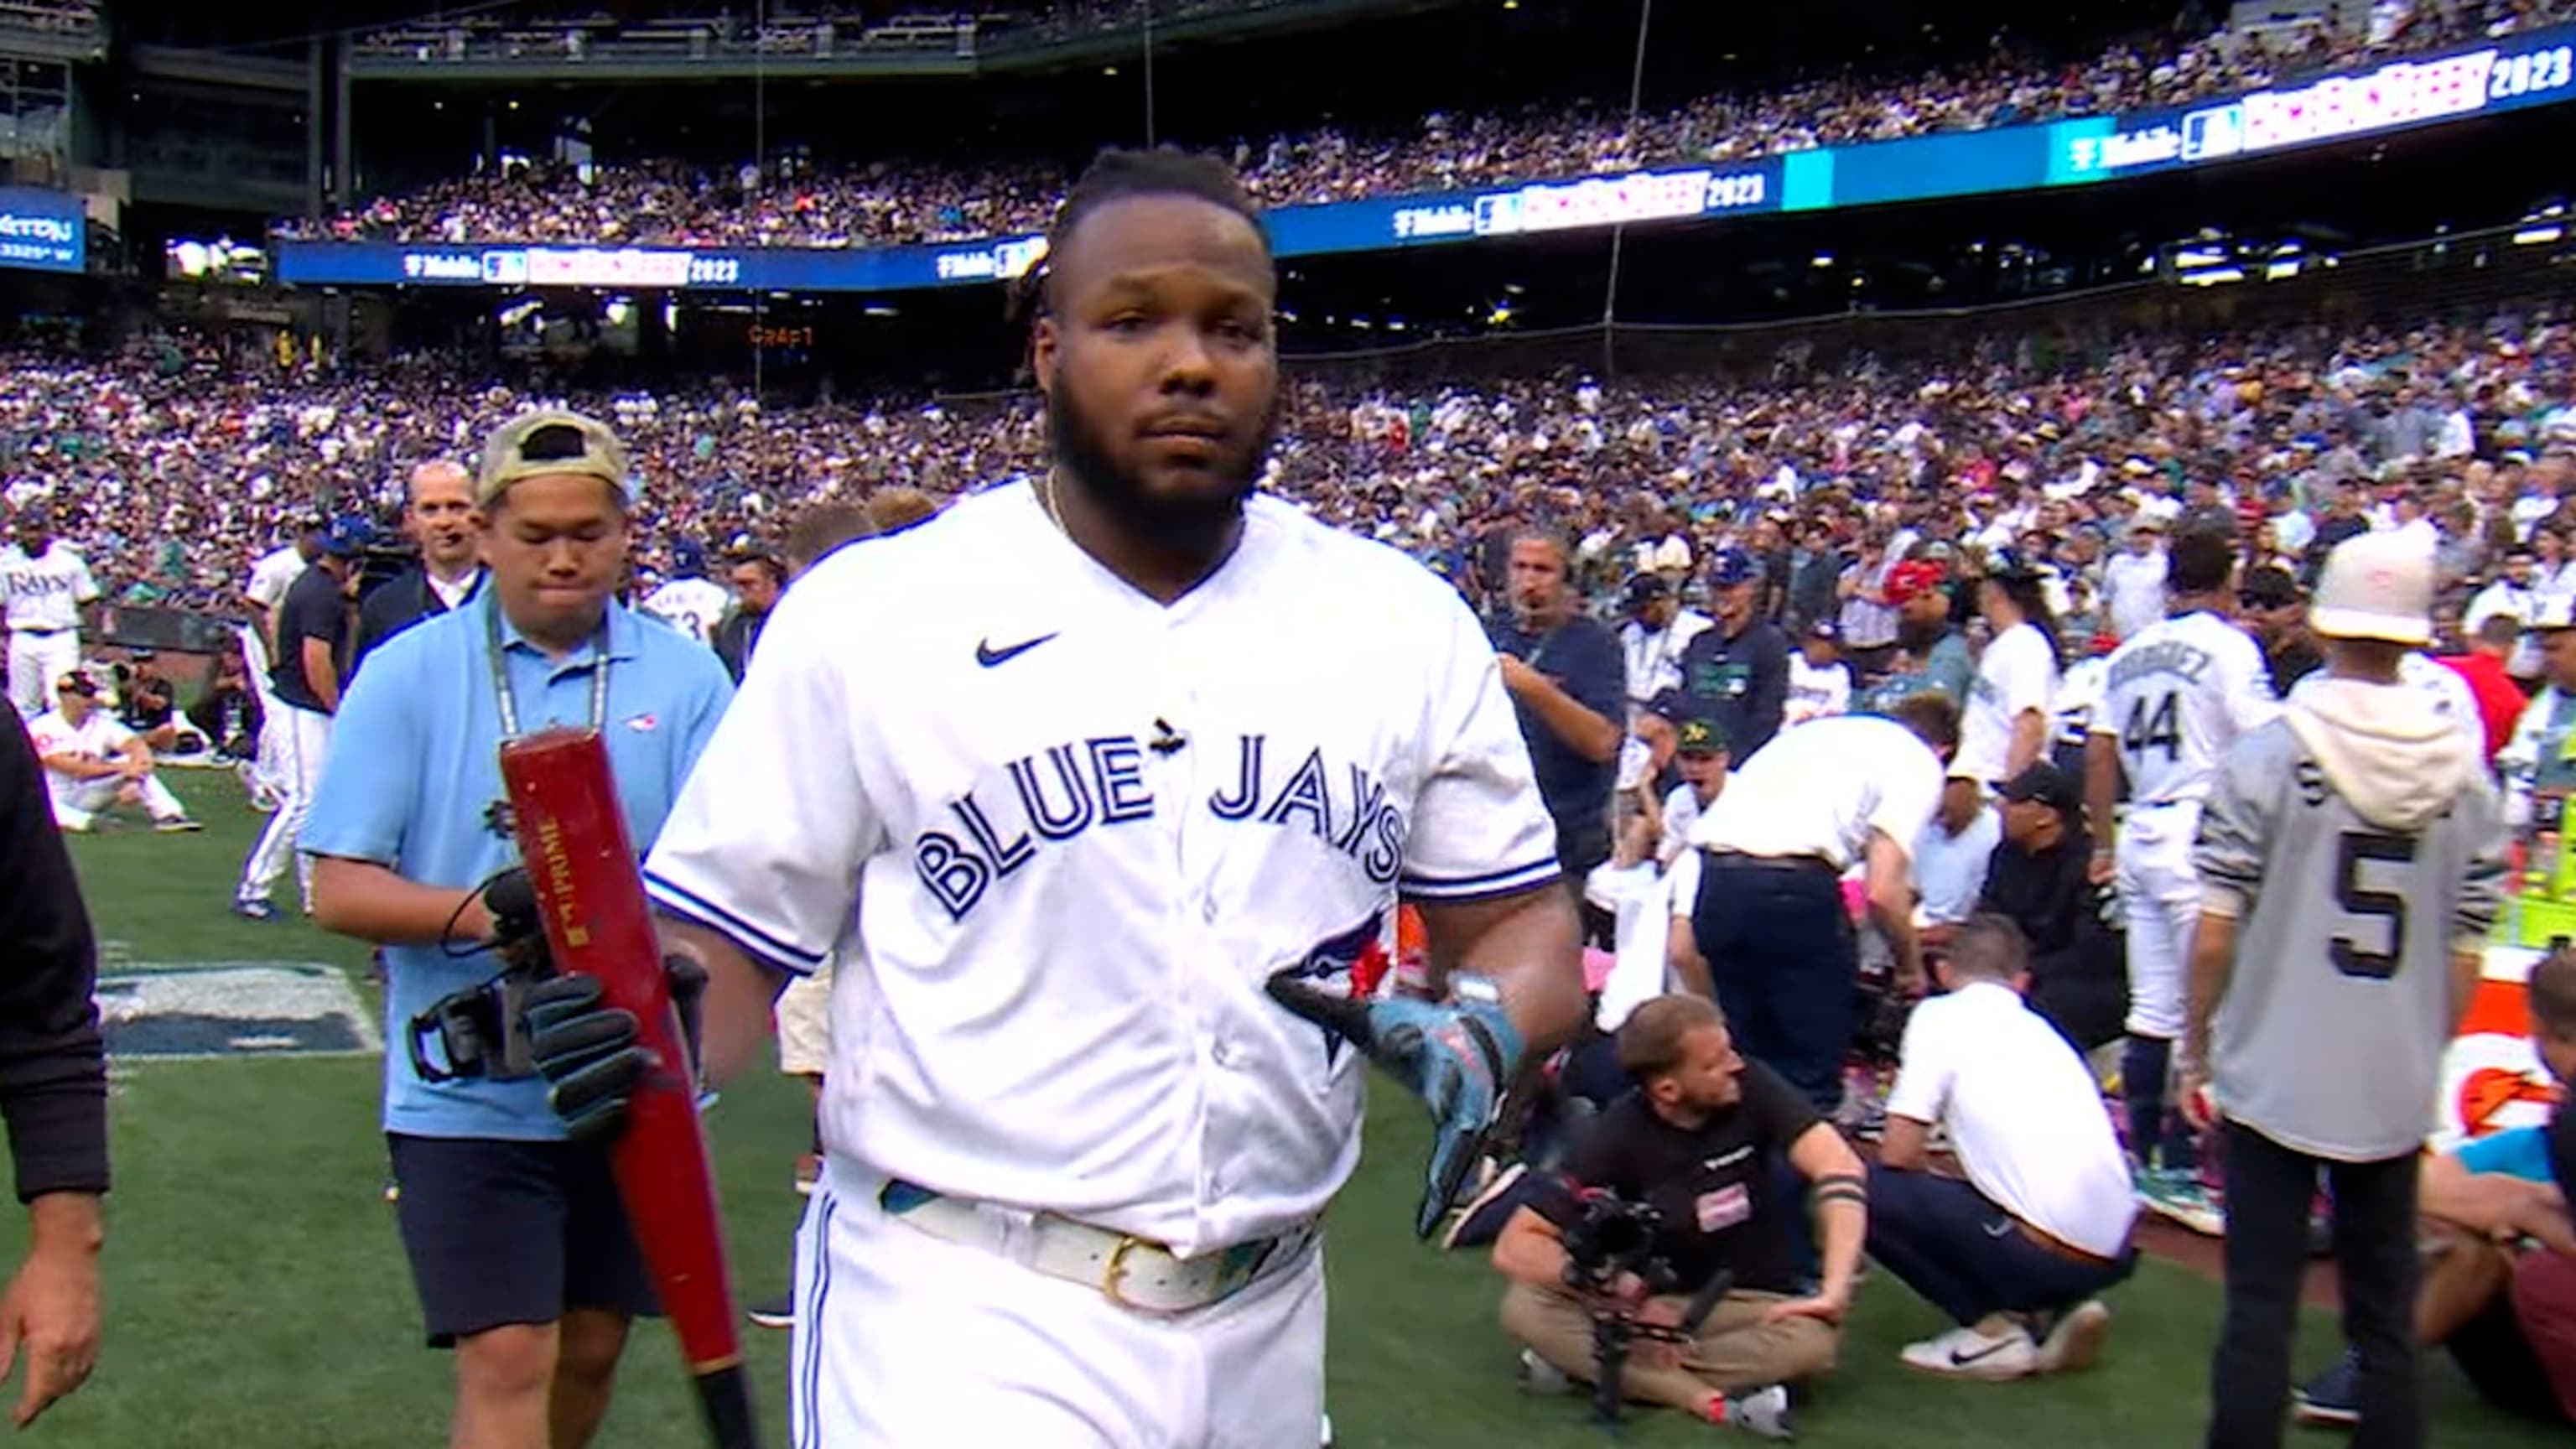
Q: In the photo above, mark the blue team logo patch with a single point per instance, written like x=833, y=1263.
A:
x=233, y=1009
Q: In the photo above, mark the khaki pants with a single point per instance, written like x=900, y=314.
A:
x=1736, y=1351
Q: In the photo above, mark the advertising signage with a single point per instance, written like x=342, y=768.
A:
x=43, y=230
x=2511, y=74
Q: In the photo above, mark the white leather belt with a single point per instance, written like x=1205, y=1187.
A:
x=1135, y=1273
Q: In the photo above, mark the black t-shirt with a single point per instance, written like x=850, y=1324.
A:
x=146, y=703
x=1712, y=1186
x=314, y=608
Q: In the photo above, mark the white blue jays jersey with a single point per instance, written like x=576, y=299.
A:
x=1059, y=835
x=2177, y=696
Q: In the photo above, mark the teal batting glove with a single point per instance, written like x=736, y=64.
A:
x=1458, y=1056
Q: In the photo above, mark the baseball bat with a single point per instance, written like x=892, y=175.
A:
x=572, y=834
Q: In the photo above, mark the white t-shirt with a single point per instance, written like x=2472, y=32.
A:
x=273, y=575
x=1681, y=812
x=2133, y=590
x=2023, y=1114
x=1654, y=658
x=2178, y=697
x=99, y=737
x=2017, y=675
x=1822, y=788
x=692, y=606
x=1813, y=692
x=1055, y=869
x=47, y=592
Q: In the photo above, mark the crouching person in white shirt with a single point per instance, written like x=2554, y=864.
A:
x=93, y=762
x=2016, y=1252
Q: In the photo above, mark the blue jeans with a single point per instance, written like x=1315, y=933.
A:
x=1952, y=1244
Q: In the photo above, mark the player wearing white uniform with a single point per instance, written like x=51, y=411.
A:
x=691, y=602
x=2005, y=724
x=46, y=584
x=92, y=761
x=1181, y=745
x=270, y=578
x=2177, y=696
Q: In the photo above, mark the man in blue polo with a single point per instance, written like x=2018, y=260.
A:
x=518, y=1245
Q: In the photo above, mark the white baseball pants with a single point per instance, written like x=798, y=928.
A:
x=266, y=775
x=903, y=1339
x=78, y=803
x=2160, y=896
x=304, y=737
x=36, y=661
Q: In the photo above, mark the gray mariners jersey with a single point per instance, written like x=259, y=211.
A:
x=2330, y=1035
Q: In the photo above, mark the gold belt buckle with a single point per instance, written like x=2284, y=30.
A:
x=1111, y=1276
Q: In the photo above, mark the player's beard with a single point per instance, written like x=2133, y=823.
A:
x=1188, y=523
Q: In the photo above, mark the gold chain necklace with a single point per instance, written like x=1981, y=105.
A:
x=1046, y=500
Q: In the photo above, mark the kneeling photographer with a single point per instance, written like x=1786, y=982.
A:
x=1660, y=1264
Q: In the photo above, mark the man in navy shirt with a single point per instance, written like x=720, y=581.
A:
x=1738, y=672
x=1569, y=684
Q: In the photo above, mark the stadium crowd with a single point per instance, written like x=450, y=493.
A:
x=170, y=467
x=798, y=201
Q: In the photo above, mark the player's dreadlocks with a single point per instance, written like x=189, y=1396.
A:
x=1116, y=175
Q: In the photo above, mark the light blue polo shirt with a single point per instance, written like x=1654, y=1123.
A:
x=414, y=765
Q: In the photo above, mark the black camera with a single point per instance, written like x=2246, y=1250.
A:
x=478, y=1029
x=1610, y=1239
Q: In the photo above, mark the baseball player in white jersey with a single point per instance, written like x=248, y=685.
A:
x=1095, y=875
x=46, y=585
x=270, y=578
x=2177, y=695
x=93, y=762
x=691, y=602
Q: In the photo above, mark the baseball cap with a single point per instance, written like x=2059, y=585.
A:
x=534, y=444
x=1827, y=630
x=1700, y=735
x=1672, y=704
x=1733, y=566
x=2376, y=586
x=77, y=682
x=347, y=537
x=1642, y=590
x=2043, y=783
x=1912, y=580
x=2008, y=565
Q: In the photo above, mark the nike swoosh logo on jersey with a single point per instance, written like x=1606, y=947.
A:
x=988, y=656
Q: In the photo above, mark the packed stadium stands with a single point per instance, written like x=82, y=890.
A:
x=888, y=201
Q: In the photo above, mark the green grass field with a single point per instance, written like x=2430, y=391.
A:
x=257, y=1296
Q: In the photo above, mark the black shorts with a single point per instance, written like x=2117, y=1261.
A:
x=502, y=1233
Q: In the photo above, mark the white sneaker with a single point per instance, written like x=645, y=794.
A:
x=1542, y=1378
x=2075, y=1340
x=1969, y=1354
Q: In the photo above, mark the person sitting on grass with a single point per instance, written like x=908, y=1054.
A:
x=2015, y=1251
x=1697, y=1141
x=93, y=763
x=2499, y=1286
